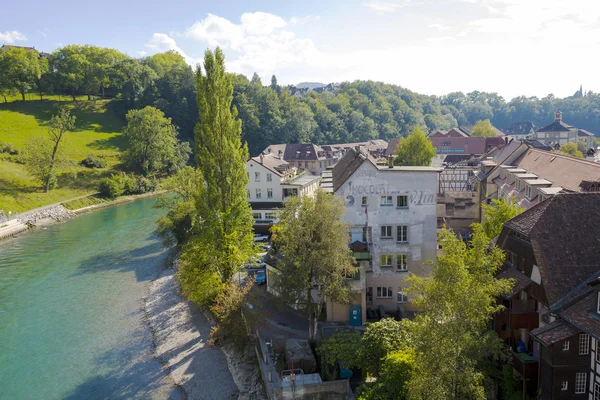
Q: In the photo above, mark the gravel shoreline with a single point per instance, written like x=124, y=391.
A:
x=180, y=332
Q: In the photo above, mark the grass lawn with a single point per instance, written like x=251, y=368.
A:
x=97, y=132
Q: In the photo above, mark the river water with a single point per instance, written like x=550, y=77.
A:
x=71, y=301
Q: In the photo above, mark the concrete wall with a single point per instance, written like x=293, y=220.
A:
x=420, y=216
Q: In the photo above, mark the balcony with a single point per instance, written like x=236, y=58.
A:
x=527, y=369
x=357, y=281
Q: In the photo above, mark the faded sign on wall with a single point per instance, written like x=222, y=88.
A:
x=415, y=197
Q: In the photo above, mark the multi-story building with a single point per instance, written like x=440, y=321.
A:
x=551, y=319
x=271, y=181
x=520, y=130
x=392, y=215
x=559, y=133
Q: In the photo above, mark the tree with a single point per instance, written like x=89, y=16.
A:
x=450, y=337
x=152, y=142
x=22, y=69
x=570, y=149
x=224, y=240
x=6, y=84
x=483, y=128
x=314, y=242
x=496, y=214
x=44, y=155
x=414, y=150
x=381, y=338
x=396, y=370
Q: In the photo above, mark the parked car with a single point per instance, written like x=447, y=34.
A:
x=266, y=247
x=261, y=277
x=261, y=238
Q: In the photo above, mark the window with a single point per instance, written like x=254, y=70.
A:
x=320, y=164
x=445, y=143
x=386, y=201
x=528, y=192
x=369, y=295
x=386, y=232
x=256, y=215
x=247, y=193
x=402, y=201
x=258, y=194
x=364, y=201
x=384, y=292
x=597, y=352
x=564, y=385
x=386, y=261
x=257, y=177
x=269, y=193
x=269, y=177
x=596, y=391
x=270, y=215
x=401, y=260
x=584, y=344
x=566, y=345
x=402, y=298
x=402, y=233
x=299, y=165
x=580, y=379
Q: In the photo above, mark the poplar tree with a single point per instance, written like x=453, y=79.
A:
x=414, y=150
x=224, y=240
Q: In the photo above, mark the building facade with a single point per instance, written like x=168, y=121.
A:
x=392, y=212
x=560, y=133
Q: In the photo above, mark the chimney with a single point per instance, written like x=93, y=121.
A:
x=390, y=161
x=262, y=157
x=558, y=116
x=280, y=154
x=269, y=150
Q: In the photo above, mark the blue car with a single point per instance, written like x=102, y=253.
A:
x=260, y=278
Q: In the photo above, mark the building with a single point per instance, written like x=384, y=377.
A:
x=41, y=53
x=315, y=159
x=458, y=200
x=271, y=181
x=392, y=216
x=530, y=175
x=552, y=317
x=560, y=133
x=520, y=130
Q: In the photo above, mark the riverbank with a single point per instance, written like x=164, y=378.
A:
x=48, y=215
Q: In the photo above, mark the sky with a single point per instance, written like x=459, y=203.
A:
x=511, y=47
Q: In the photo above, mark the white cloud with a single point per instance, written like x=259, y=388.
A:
x=260, y=23
x=386, y=6
x=142, y=53
x=162, y=42
x=304, y=20
x=217, y=31
x=439, y=27
x=12, y=36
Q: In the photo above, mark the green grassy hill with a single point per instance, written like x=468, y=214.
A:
x=97, y=133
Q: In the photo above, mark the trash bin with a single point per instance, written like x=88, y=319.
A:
x=355, y=316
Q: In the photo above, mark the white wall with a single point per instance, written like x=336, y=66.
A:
x=420, y=217
x=252, y=167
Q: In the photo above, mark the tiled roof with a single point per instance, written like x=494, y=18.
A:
x=346, y=167
x=563, y=232
x=273, y=163
x=584, y=133
x=559, y=169
x=521, y=281
x=297, y=151
x=520, y=128
x=554, y=332
x=556, y=126
x=583, y=315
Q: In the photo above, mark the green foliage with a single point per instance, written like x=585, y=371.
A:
x=380, y=339
x=8, y=148
x=450, y=337
x=110, y=188
x=582, y=146
x=414, y=150
x=225, y=236
x=94, y=162
x=236, y=320
x=343, y=347
x=496, y=214
x=122, y=184
x=484, y=129
x=20, y=68
x=570, y=149
x=396, y=371
x=314, y=240
x=153, y=144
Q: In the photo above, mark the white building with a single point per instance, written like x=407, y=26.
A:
x=271, y=181
x=560, y=133
x=392, y=213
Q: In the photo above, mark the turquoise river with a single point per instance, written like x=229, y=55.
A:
x=71, y=308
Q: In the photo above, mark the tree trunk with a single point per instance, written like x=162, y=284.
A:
x=23, y=95
x=47, y=189
x=89, y=97
x=4, y=98
x=102, y=91
x=41, y=96
x=74, y=99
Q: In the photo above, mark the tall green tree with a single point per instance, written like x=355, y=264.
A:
x=496, y=214
x=152, y=142
x=570, y=149
x=414, y=150
x=484, y=128
x=450, y=337
x=21, y=68
x=44, y=155
x=314, y=241
x=224, y=241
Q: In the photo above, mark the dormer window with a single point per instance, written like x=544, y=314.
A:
x=528, y=192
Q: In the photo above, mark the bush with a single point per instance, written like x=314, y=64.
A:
x=145, y=185
x=110, y=188
x=8, y=149
x=94, y=162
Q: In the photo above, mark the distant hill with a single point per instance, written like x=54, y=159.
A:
x=310, y=85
